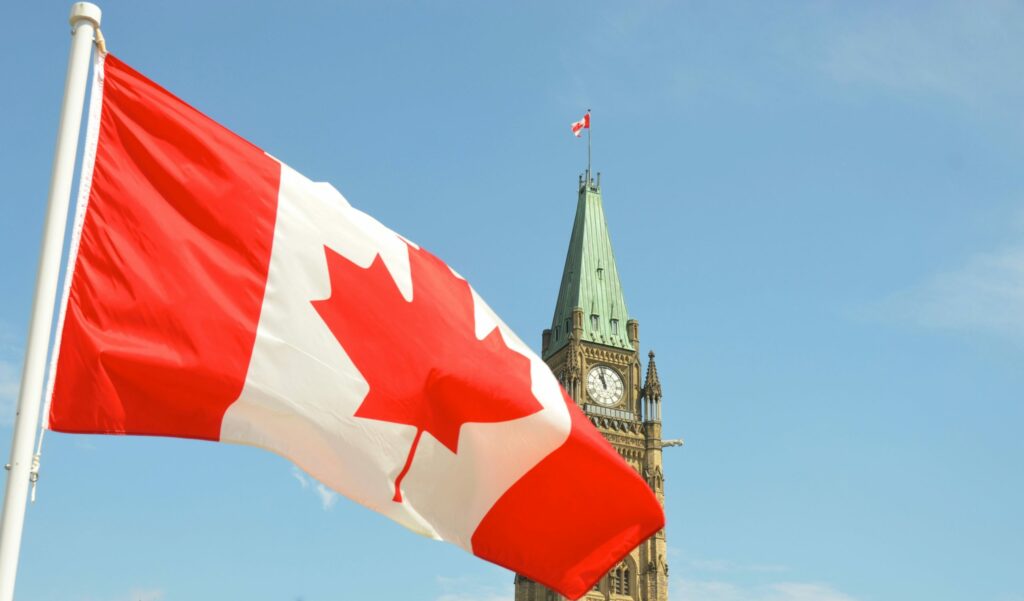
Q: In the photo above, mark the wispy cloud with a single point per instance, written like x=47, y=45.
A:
x=10, y=374
x=146, y=595
x=985, y=294
x=724, y=580
x=476, y=596
x=714, y=590
x=472, y=589
x=959, y=50
x=721, y=565
x=327, y=496
x=135, y=594
x=9, y=382
x=692, y=564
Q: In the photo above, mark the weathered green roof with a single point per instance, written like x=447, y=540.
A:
x=590, y=280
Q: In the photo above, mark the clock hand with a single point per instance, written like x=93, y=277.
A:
x=603, y=383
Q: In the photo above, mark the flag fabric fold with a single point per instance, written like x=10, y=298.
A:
x=582, y=124
x=215, y=293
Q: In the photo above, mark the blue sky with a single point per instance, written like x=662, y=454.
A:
x=818, y=215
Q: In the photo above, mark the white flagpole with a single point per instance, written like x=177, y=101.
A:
x=85, y=20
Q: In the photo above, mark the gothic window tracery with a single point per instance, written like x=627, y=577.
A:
x=618, y=580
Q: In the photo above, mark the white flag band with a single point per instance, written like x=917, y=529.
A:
x=582, y=124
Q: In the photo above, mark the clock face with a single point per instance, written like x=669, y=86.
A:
x=604, y=385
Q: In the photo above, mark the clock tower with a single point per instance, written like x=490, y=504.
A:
x=593, y=347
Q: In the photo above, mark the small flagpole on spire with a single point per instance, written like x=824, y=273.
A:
x=577, y=128
x=589, y=129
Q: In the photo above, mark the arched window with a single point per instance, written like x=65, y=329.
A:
x=619, y=585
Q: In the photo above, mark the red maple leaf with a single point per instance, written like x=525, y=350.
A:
x=422, y=360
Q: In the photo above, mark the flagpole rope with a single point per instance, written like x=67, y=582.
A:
x=33, y=474
x=101, y=49
x=101, y=42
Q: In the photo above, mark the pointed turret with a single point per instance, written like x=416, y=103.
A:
x=652, y=385
x=590, y=282
x=651, y=392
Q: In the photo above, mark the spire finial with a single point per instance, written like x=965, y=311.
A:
x=652, y=384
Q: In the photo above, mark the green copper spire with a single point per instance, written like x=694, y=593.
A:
x=590, y=280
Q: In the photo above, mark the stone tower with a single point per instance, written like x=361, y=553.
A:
x=593, y=348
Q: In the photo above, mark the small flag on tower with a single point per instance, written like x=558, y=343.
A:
x=582, y=124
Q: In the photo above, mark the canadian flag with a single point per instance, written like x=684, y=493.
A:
x=217, y=294
x=582, y=124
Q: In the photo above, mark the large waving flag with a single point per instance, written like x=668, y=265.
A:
x=217, y=294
